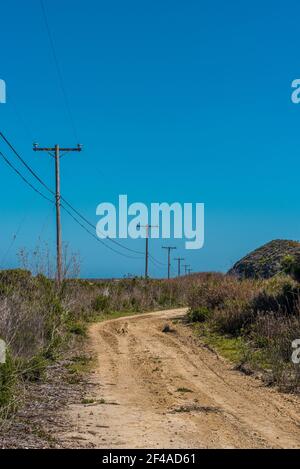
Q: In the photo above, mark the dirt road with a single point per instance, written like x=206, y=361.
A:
x=164, y=390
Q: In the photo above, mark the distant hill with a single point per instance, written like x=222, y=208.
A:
x=268, y=260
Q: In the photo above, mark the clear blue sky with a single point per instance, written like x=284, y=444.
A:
x=183, y=101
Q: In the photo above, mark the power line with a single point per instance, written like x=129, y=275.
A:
x=70, y=214
x=157, y=261
x=160, y=264
x=94, y=227
x=58, y=70
x=134, y=251
x=62, y=198
x=24, y=179
x=67, y=203
x=158, y=268
x=25, y=164
x=153, y=261
x=95, y=236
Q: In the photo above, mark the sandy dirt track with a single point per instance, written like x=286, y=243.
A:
x=166, y=390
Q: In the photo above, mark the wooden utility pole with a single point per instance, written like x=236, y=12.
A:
x=148, y=228
x=58, y=222
x=186, y=266
x=57, y=154
x=179, y=259
x=169, y=248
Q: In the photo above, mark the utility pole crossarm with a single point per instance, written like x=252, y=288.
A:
x=37, y=148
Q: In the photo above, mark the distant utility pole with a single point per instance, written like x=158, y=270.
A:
x=186, y=266
x=56, y=149
x=169, y=248
x=148, y=228
x=179, y=259
x=189, y=271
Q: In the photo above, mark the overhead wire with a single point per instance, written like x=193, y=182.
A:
x=59, y=72
x=24, y=179
x=72, y=122
x=96, y=237
x=62, y=198
x=152, y=258
x=155, y=260
x=66, y=210
x=17, y=154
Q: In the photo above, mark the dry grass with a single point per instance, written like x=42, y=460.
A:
x=264, y=314
x=38, y=320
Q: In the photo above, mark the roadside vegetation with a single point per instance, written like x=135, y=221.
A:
x=251, y=322
x=40, y=322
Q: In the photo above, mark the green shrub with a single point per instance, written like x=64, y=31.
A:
x=291, y=265
x=280, y=294
x=8, y=380
x=78, y=328
x=35, y=368
x=199, y=314
x=100, y=303
x=234, y=317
